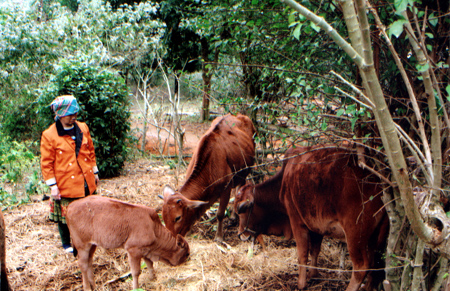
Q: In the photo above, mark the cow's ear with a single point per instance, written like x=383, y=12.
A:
x=181, y=242
x=244, y=206
x=193, y=204
x=167, y=191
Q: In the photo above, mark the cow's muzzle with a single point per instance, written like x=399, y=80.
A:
x=244, y=237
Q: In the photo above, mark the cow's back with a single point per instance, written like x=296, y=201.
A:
x=332, y=192
x=225, y=152
x=109, y=222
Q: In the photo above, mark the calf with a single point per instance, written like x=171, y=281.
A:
x=221, y=162
x=100, y=221
x=260, y=210
x=4, y=276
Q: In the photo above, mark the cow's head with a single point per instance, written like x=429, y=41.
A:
x=178, y=255
x=179, y=212
x=244, y=206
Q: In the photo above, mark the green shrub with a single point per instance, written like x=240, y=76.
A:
x=18, y=167
x=103, y=99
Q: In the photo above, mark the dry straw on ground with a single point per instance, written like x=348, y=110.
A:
x=36, y=261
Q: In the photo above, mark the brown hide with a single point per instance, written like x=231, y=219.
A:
x=325, y=192
x=260, y=209
x=4, y=276
x=220, y=163
x=100, y=221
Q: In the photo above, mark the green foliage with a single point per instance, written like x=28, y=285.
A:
x=30, y=51
x=19, y=172
x=181, y=41
x=103, y=98
x=115, y=4
x=277, y=63
x=71, y=4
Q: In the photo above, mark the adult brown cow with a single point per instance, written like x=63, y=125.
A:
x=221, y=162
x=325, y=192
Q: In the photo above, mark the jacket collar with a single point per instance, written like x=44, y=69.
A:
x=78, y=134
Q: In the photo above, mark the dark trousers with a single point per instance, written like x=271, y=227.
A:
x=64, y=233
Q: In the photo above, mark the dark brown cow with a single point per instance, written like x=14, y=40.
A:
x=220, y=163
x=4, y=276
x=323, y=192
x=260, y=210
x=100, y=221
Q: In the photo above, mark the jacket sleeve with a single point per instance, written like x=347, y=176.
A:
x=48, y=160
x=92, y=150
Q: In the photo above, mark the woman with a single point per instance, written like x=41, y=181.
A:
x=67, y=162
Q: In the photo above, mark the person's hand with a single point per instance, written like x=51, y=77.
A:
x=56, y=195
x=97, y=179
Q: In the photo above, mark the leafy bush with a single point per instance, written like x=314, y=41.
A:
x=18, y=167
x=103, y=99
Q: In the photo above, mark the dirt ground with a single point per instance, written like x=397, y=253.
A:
x=36, y=261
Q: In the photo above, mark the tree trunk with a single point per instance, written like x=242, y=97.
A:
x=206, y=76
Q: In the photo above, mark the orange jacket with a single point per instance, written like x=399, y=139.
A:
x=61, y=166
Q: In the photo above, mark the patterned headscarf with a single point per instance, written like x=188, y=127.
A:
x=64, y=105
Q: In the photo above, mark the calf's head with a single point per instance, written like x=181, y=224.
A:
x=179, y=213
x=180, y=255
x=244, y=206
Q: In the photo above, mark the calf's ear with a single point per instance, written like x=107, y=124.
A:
x=244, y=206
x=181, y=242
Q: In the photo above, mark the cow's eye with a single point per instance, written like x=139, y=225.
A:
x=177, y=218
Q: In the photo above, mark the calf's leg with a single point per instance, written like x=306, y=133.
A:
x=134, y=258
x=149, y=264
x=85, y=259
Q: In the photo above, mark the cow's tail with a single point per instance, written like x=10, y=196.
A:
x=383, y=232
x=380, y=237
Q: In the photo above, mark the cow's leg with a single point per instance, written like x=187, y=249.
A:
x=361, y=255
x=301, y=236
x=343, y=253
x=223, y=203
x=85, y=263
x=302, y=241
x=316, y=244
x=377, y=245
x=233, y=215
x=149, y=264
x=134, y=258
x=260, y=239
